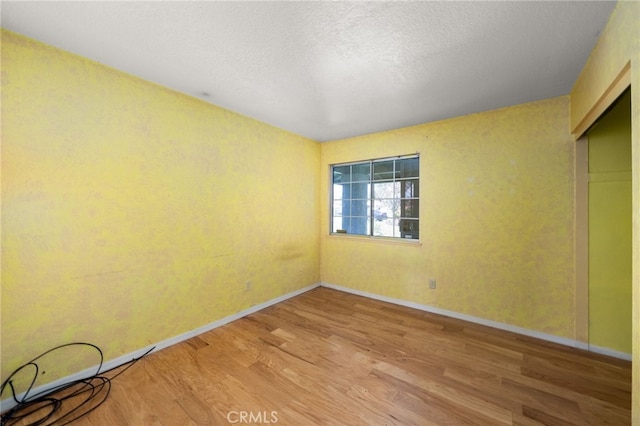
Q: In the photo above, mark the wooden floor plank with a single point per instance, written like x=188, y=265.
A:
x=331, y=358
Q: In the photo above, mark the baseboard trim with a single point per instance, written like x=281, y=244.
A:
x=610, y=352
x=489, y=323
x=226, y=320
x=8, y=403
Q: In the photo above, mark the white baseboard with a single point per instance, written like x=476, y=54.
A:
x=494, y=324
x=8, y=403
x=610, y=352
x=185, y=336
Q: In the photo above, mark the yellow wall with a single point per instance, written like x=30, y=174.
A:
x=610, y=229
x=618, y=45
x=132, y=214
x=496, y=218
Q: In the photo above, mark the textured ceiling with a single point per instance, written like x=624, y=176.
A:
x=329, y=70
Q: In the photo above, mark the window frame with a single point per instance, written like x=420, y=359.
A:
x=371, y=199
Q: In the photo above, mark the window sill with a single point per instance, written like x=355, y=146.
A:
x=376, y=240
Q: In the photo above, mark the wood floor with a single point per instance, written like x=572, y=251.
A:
x=332, y=358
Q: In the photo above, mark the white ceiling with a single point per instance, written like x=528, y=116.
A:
x=330, y=70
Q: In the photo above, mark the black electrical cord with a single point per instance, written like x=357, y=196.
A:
x=44, y=408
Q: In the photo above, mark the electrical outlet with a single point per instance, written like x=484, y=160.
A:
x=247, y=286
x=432, y=284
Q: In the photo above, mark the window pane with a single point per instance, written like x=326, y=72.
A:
x=345, y=206
x=383, y=170
x=386, y=189
x=389, y=208
x=359, y=225
x=342, y=174
x=407, y=167
x=384, y=228
x=409, y=208
x=337, y=209
x=359, y=190
x=409, y=228
x=338, y=223
x=360, y=208
x=384, y=209
x=361, y=172
x=410, y=188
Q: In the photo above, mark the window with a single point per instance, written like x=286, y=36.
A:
x=378, y=198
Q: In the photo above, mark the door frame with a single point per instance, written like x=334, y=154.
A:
x=582, y=240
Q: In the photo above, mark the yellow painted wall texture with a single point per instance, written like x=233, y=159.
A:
x=496, y=218
x=619, y=44
x=132, y=214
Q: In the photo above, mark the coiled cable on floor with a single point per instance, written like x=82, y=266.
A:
x=65, y=403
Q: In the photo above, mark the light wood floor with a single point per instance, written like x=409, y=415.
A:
x=332, y=358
